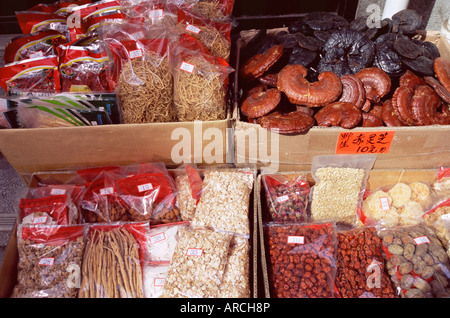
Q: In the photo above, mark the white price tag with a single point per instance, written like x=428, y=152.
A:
x=137, y=35
x=106, y=191
x=156, y=14
x=421, y=240
x=145, y=187
x=296, y=240
x=159, y=282
x=385, y=204
x=135, y=54
x=40, y=220
x=282, y=199
x=57, y=192
x=157, y=238
x=36, y=55
x=194, y=252
x=47, y=261
x=193, y=29
x=188, y=67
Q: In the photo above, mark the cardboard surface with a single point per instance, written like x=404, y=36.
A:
x=377, y=178
x=424, y=147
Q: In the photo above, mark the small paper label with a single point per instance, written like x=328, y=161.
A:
x=137, y=35
x=296, y=240
x=193, y=29
x=36, y=55
x=194, y=252
x=135, y=54
x=106, y=191
x=188, y=67
x=384, y=204
x=57, y=192
x=47, y=261
x=282, y=199
x=158, y=13
x=40, y=220
x=445, y=217
x=421, y=240
x=145, y=187
x=157, y=238
x=159, y=282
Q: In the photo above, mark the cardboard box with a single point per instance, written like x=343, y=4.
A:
x=424, y=147
x=376, y=179
x=8, y=270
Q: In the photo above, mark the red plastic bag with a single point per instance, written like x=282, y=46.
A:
x=46, y=210
x=58, y=7
x=96, y=8
x=31, y=75
x=33, y=45
x=32, y=22
x=85, y=66
x=50, y=261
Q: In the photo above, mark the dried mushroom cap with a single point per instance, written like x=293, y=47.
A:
x=377, y=83
x=424, y=104
x=307, y=42
x=422, y=65
x=257, y=65
x=371, y=120
x=442, y=70
x=340, y=114
x=388, y=115
x=401, y=101
x=260, y=103
x=411, y=80
x=353, y=90
x=292, y=81
x=438, y=88
x=293, y=122
x=406, y=21
x=302, y=56
x=321, y=21
x=407, y=48
x=389, y=61
x=347, y=51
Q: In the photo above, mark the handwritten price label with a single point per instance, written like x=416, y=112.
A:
x=378, y=142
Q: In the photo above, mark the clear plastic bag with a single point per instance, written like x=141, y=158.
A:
x=50, y=261
x=287, y=197
x=340, y=182
x=154, y=277
x=54, y=210
x=162, y=240
x=189, y=184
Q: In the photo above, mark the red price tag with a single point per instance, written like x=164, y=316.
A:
x=377, y=142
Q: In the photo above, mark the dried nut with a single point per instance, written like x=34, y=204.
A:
x=419, y=267
x=395, y=249
x=408, y=251
x=427, y=272
x=422, y=284
x=421, y=250
x=414, y=293
x=405, y=268
x=407, y=281
x=340, y=114
x=397, y=260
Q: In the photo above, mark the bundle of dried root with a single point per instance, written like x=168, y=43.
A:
x=145, y=90
x=111, y=266
x=200, y=94
x=208, y=9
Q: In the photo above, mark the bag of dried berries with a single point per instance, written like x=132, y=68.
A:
x=287, y=197
x=50, y=259
x=340, y=183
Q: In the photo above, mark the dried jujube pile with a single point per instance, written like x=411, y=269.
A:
x=326, y=71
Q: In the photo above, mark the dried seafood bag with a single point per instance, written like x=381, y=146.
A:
x=162, y=241
x=38, y=74
x=214, y=35
x=200, y=81
x=340, y=183
x=225, y=201
x=301, y=259
x=287, y=197
x=144, y=79
x=189, y=184
x=50, y=260
x=28, y=46
x=100, y=202
x=402, y=203
x=113, y=261
x=53, y=209
x=84, y=66
x=361, y=270
x=198, y=264
x=416, y=261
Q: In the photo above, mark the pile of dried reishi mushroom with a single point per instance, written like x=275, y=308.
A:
x=326, y=71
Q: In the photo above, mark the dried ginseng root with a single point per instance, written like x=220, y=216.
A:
x=50, y=259
x=112, y=262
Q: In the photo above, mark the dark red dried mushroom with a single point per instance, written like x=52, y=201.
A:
x=370, y=120
x=353, y=90
x=292, y=81
x=260, y=102
x=442, y=70
x=257, y=65
x=411, y=80
x=388, y=115
x=293, y=122
x=438, y=88
x=377, y=83
x=424, y=105
x=340, y=114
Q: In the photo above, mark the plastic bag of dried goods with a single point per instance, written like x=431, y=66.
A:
x=287, y=197
x=162, y=240
x=37, y=74
x=217, y=10
x=360, y=265
x=225, y=201
x=119, y=250
x=416, y=261
x=340, y=182
x=439, y=219
x=301, y=259
x=154, y=277
x=35, y=21
x=53, y=209
x=189, y=185
x=50, y=260
x=33, y=45
x=200, y=81
x=236, y=279
x=198, y=263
